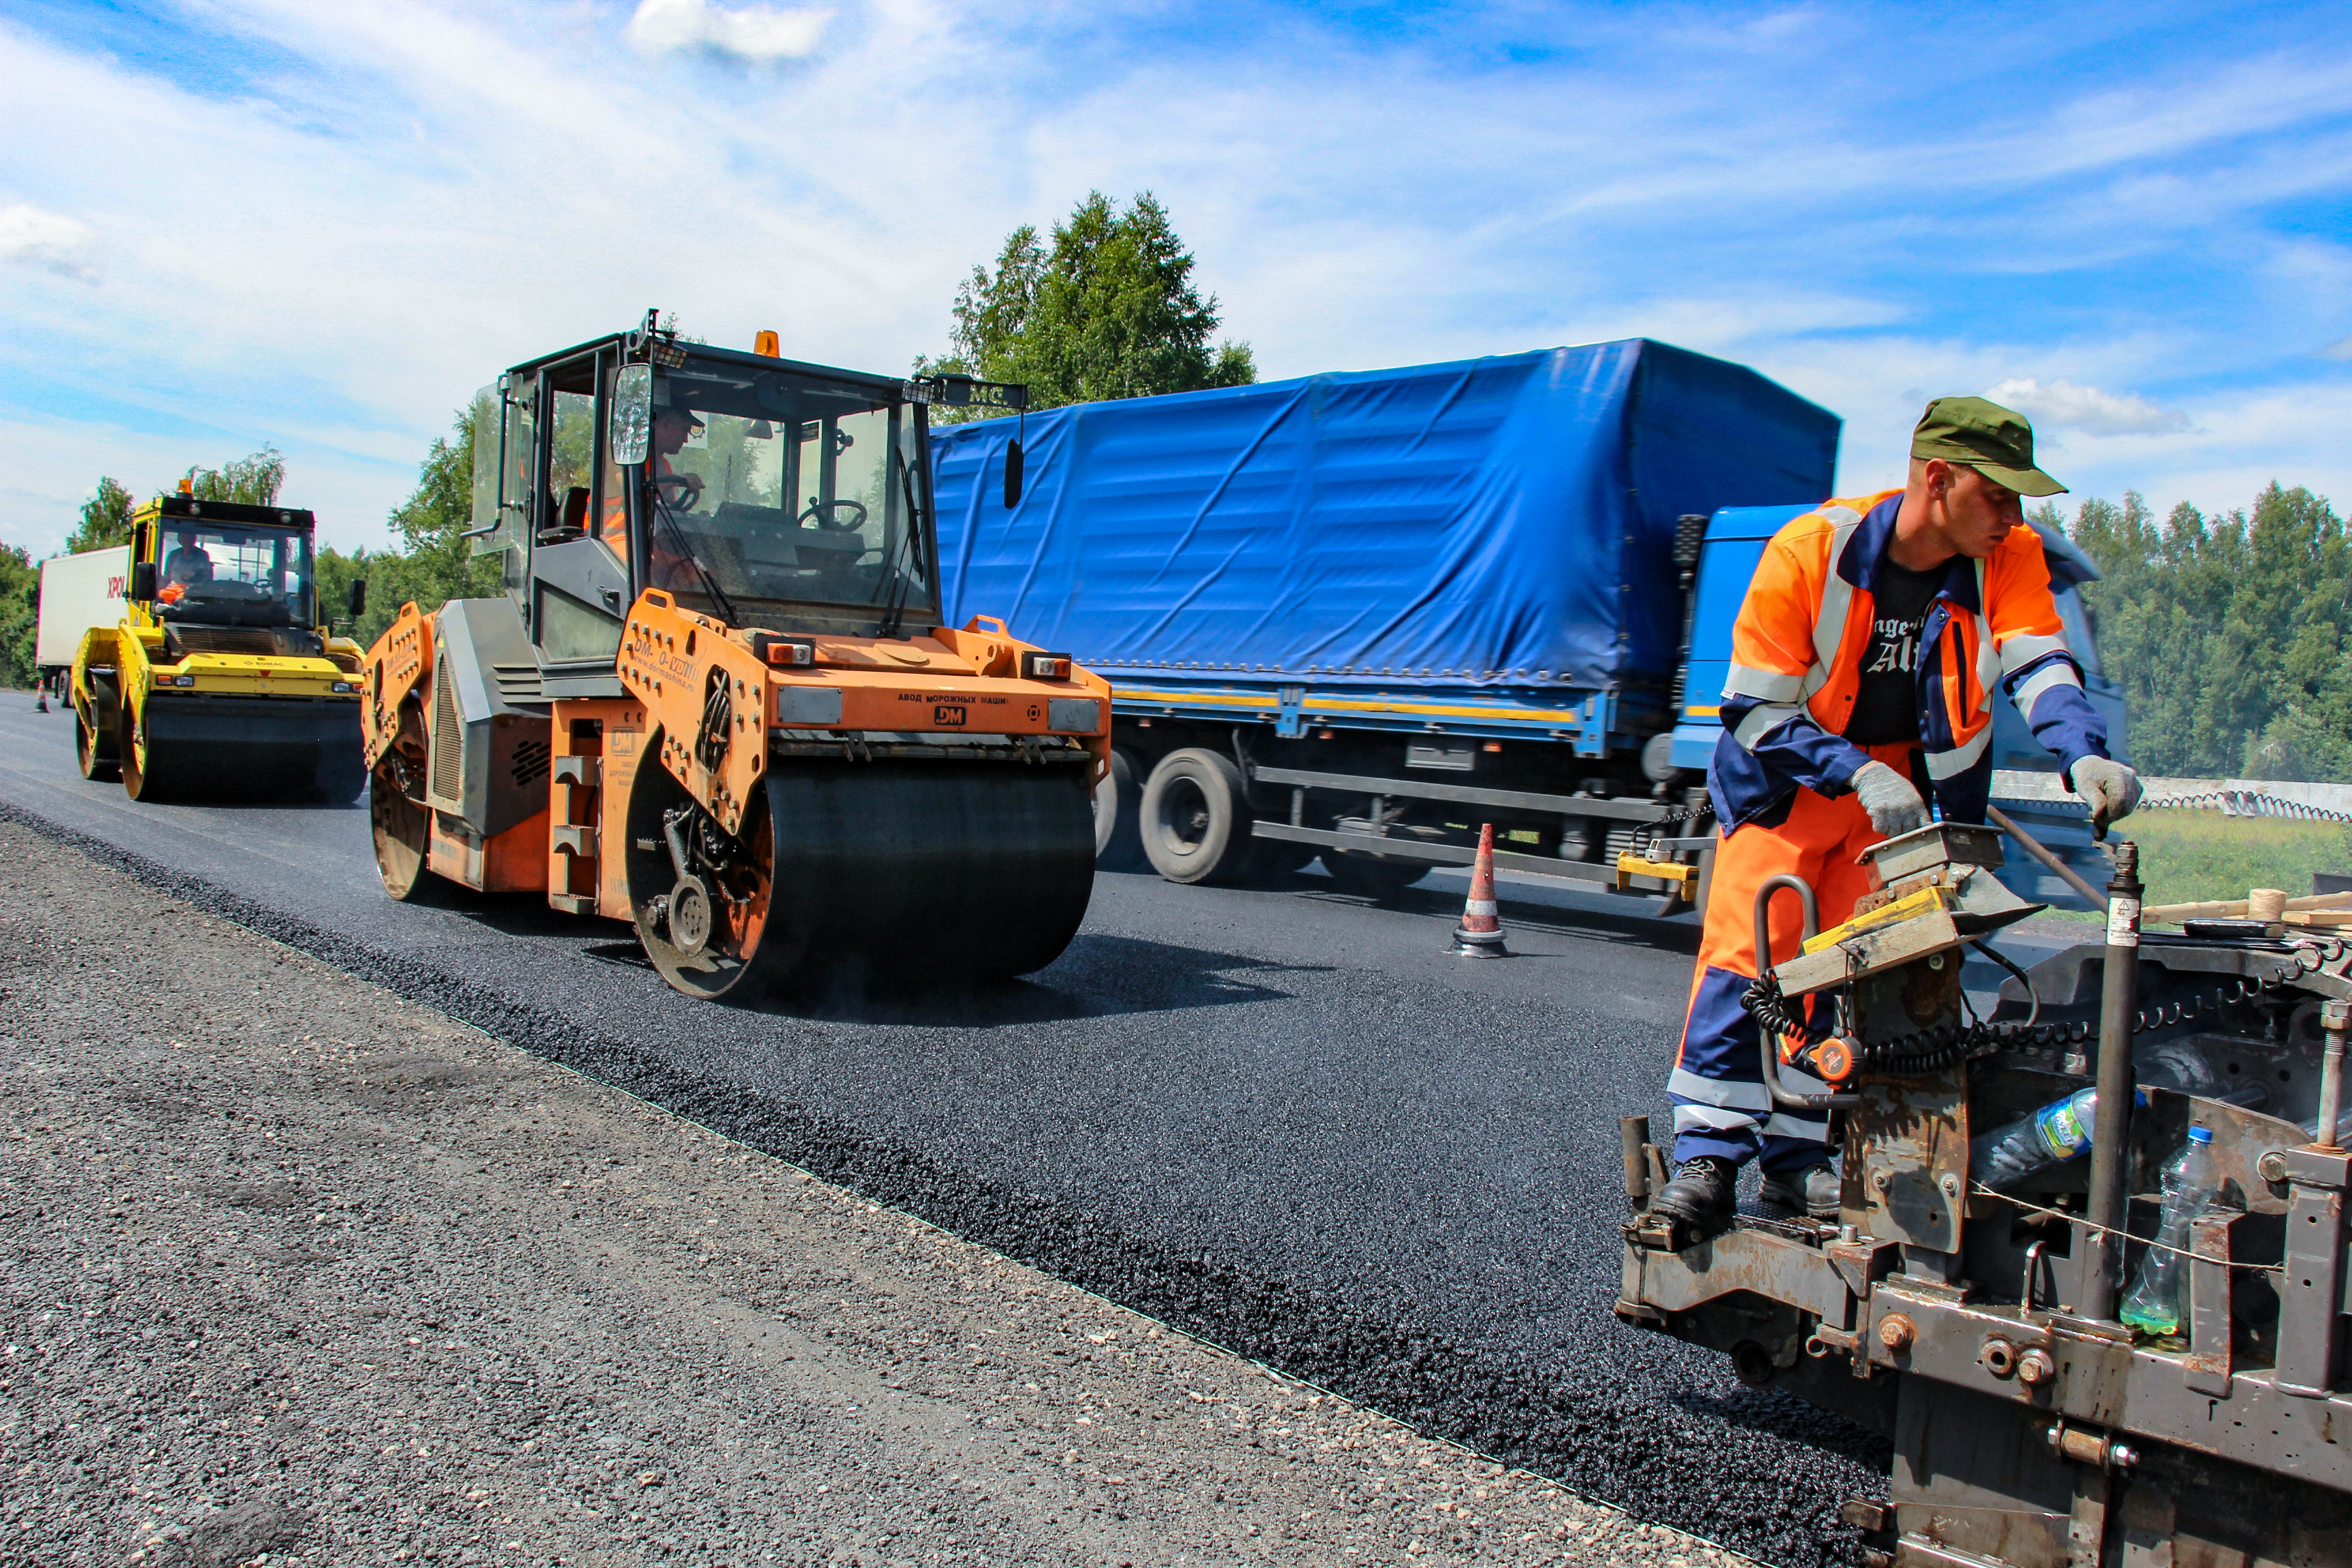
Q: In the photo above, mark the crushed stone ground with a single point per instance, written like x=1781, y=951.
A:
x=298, y=1271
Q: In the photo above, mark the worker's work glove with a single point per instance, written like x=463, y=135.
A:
x=2110, y=789
x=1894, y=804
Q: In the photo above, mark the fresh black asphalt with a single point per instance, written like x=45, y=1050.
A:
x=1282, y=1119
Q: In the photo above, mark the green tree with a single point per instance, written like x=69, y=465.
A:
x=106, y=515
x=20, y=592
x=254, y=480
x=1108, y=311
x=434, y=565
x=105, y=518
x=2227, y=633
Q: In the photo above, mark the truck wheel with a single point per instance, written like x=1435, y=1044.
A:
x=1371, y=877
x=1195, y=817
x=96, y=760
x=1118, y=840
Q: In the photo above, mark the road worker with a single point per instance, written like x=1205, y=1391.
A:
x=1876, y=634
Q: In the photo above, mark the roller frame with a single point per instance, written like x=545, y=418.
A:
x=981, y=871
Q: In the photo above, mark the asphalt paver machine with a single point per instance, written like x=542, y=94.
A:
x=714, y=701
x=1972, y=1315
x=223, y=681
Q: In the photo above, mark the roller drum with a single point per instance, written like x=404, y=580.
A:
x=226, y=750
x=402, y=830
x=855, y=875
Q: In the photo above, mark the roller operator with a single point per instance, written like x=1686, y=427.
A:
x=1866, y=658
x=669, y=554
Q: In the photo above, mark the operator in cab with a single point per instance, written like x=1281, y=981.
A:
x=1876, y=634
x=670, y=555
x=187, y=565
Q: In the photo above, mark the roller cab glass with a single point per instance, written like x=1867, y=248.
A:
x=219, y=574
x=782, y=499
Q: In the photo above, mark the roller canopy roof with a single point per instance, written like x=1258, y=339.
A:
x=1506, y=521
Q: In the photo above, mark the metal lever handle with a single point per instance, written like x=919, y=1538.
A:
x=1771, y=1057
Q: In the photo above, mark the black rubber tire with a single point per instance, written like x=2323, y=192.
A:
x=1195, y=817
x=1118, y=840
x=857, y=877
x=96, y=762
x=1370, y=877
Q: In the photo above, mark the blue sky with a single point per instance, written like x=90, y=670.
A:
x=226, y=222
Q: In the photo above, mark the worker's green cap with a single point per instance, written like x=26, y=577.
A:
x=1995, y=441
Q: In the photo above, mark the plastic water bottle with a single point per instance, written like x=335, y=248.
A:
x=2057, y=1132
x=2153, y=1305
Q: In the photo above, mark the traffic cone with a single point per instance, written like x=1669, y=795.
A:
x=40, y=699
x=1480, y=934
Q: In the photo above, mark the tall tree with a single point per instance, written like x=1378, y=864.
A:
x=1108, y=309
x=105, y=518
x=255, y=480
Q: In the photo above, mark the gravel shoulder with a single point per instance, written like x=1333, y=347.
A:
x=298, y=1271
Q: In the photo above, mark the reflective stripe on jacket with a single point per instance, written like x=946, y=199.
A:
x=1796, y=666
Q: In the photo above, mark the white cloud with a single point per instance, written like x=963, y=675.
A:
x=2341, y=349
x=760, y=35
x=2086, y=408
x=429, y=202
x=47, y=240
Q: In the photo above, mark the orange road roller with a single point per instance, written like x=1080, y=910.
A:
x=713, y=700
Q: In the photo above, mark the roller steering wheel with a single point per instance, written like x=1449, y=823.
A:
x=690, y=483
x=827, y=518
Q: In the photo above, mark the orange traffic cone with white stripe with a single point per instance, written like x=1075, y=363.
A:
x=1480, y=934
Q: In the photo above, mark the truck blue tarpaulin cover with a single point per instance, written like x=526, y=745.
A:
x=1499, y=522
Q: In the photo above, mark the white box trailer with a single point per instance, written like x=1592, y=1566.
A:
x=79, y=591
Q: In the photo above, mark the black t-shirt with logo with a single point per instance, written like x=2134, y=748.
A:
x=1886, y=709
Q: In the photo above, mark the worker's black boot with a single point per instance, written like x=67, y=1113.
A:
x=1813, y=1191
x=1701, y=1193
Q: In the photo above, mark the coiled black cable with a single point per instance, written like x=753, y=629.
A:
x=1931, y=1049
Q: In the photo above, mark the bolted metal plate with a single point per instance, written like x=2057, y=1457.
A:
x=1907, y=1159
x=1074, y=715
x=814, y=706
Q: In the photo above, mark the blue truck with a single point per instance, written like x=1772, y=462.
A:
x=1360, y=615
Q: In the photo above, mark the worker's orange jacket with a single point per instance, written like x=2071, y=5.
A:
x=1796, y=666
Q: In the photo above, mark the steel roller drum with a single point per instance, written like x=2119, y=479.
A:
x=898, y=873
x=245, y=748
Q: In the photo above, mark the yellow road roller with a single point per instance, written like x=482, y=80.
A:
x=222, y=682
